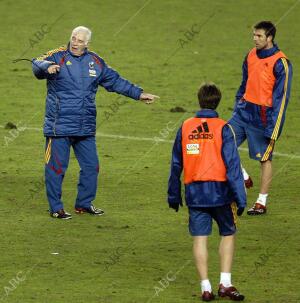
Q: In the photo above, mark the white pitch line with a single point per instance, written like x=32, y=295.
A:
x=172, y=141
x=154, y=139
x=134, y=138
x=287, y=12
x=131, y=18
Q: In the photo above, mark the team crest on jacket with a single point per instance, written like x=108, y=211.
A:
x=91, y=64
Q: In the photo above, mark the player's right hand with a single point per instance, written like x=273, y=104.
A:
x=148, y=98
x=240, y=211
x=175, y=206
x=53, y=69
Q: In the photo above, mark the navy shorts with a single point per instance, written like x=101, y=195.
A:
x=201, y=219
x=259, y=146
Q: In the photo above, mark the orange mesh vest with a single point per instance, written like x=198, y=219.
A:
x=261, y=80
x=201, y=149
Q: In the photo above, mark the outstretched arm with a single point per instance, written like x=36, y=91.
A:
x=113, y=82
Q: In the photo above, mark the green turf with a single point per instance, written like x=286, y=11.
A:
x=126, y=255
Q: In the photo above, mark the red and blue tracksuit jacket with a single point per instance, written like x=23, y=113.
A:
x=70, y=102
x=263, y=117
x=209, y=193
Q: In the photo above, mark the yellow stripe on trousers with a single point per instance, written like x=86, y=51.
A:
x=234, y=212
x=48, y=152
x=268, y=151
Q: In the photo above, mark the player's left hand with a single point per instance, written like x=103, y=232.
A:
x=148, y=98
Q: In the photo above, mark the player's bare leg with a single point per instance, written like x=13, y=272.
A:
x=201, y=256
x=226, y=252
x=259, y=207
x=266, y=176
x=201, y=259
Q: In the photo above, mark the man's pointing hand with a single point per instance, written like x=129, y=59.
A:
x=148, y=98
x=54, y=68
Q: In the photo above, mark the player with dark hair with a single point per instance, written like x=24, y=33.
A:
x=261, y=103
x=205, y=149
x=268, y=27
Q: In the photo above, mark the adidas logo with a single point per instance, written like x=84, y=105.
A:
x=201, y=132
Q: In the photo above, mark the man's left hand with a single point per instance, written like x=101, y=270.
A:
x=148, y=98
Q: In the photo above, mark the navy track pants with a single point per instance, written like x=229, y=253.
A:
x=57, y=154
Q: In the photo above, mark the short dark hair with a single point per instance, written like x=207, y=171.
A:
x=268, y=27
x=209, y=96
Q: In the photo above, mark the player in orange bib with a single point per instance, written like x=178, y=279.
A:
x=261, y=103
x=205, y=149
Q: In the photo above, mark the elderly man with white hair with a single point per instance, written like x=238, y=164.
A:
x=73, y=75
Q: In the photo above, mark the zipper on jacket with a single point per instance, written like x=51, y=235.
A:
x=58, y=109
x=81, y=69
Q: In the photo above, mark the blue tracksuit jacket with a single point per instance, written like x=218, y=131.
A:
x=254, y=114
x=70, y=102
x=211, y=193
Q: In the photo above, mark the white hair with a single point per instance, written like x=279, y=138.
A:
x=83, y=29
